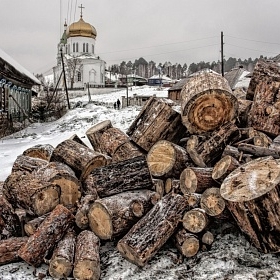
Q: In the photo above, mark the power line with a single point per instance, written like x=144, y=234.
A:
x=251, y=49
x=253, y=40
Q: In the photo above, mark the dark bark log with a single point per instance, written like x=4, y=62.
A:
x=166, y=159
x=9, y=222
x=81, y=217
x=40, y=151
x=265, y=111
x=157, y=121
x=195, y=220
x=196, y=180
x=31, y=226
x=207, y=103
x=28, y=164
x=224, y=167
x=9, y=249
x=23, y=190
x=252, y=196
x=258, y=151
x=212, y=202
x=118, y=177
x=244, y=106
x=62, y=260
x=158, y=186
x=235, y=153
x=172, y=185
x=63, y=176
x=113, y=216
x=209, y=151
x=87, y=259
x=150, y=233
x=187, y=243
x=46, y=237
x=94, y=134
x=80, y=158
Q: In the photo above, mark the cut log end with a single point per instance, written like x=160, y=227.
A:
x=60, y=267
x=188, y=181
x=190, y=247
x=195, y=220
x=86, y=270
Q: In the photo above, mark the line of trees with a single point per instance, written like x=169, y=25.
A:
x=177, y=71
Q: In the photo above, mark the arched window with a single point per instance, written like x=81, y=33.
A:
x=77, y=47
x=79, y=74
x=84, y=49
x=87, y=47
x=73, y=47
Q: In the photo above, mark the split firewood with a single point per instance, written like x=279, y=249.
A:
x=187, y=243
x=158, y=120
x=77, y=139
x=23, y=218
x=62, y=260
x=9, y=249
x=46, y=237
x=193, y=200
x=28, y=164
x=95, y=132
x=126, y=151
x=157, y=226
x=80, y=158
x=258, y=151
x=191, y=147
x=9, y=222
x=81, y=217
x=87, y=259
x=265, y=110
x=244, y=107
x=224, y=167
x=196, y=179
x=113, y=216
x=209, y=151
x=159, y=186
x=37, y=197
x=212, y=202
x=32, y=225
x=252, y=196
x=207, y=102
x=172, y=185
x=42, y=151
x=63, y=176
x=195, y=220
x=119, y=177
x=166, y=159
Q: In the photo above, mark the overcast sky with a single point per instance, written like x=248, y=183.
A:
x=179, y=31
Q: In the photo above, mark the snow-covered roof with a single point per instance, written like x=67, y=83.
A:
x=163, y=77
x=18, y=67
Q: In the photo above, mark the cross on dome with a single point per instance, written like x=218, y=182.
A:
x=81, y=7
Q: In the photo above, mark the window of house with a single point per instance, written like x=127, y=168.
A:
x=87, y=47
x=73, y=47
x=84, y=49
x=77, y=47
x=79, y=76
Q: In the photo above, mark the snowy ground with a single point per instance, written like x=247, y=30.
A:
x=231, y=256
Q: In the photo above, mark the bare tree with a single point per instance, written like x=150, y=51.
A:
x=73, y=66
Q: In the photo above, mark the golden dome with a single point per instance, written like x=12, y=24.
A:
x=81, y=28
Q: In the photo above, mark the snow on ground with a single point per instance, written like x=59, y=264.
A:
x=231, y=256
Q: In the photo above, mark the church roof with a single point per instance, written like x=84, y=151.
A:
x=81, y=29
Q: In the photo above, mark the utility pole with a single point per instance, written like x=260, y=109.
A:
x=64, y=77
x=222, y=52
x=126, y=92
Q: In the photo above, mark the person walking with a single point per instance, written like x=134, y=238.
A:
x=118, y=104
x=115, y=105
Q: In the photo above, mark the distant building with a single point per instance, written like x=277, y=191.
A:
x=174, y=93
x=238, y=78
x=15, y=90
x=82, y=66
x=160, y=80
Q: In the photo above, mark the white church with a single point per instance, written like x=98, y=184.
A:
x=76, y=49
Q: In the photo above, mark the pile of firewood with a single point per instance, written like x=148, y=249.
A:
x=171, y=176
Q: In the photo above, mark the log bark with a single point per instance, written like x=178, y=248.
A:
x=207, y=102
x=31, y=226
x=224, y=167
x=166, y=159
x=28, y=164
x=62, y=260
x=258, y=151
x=252, y=196
x=259, y=138
x=195, y=220
x=172, y=185
x=87, y=259
x=95, y=132
x=46, y=237
x=209, y=151
x=158, y=186
x=113, y=216
x=151, y=232
x=63, y=176
x=23, y=190
x=80, y=158
x=42, y=151
x=196, y=179
x=9, y=249
x=119, y=177
x=81, y=217
x=265, y=111
x=235, y=153
x=9, y=222
x=212, y=202
x=187, y=243
x=157, y=121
